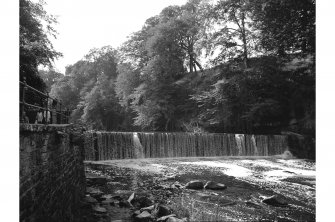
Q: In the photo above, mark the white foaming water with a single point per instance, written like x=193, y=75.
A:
x=253, y=140
x=239, y=141
x=138, y=146
x=230, y=169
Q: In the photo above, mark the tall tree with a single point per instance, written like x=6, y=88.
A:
x=50, y=77
x=234, y=35
x=35, y=46
x=286, y=26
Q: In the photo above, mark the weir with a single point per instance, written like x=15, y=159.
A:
x=134, y=145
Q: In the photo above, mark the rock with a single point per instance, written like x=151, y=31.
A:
x=99, y=209
x=108, y=202
x=145, y=216
x=90, y=199
x=203, y=196
x=131, y=197
x=137, y=212
x=165, y=217
x=274, y=201
x=174, y=219
x=195, y=184
x=107, y=196
x=95, y=180
x=161, y=210
x=149, y=209
x=95, y=192
x=141, y=202
x=215, y=186
x=251, y=204
x=124, y=203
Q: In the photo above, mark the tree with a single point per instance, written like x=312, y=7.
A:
x=102, y=110
x=127, y=80
x=50, y=77
x=235, y=36
x=286, y=26
x=35, y=46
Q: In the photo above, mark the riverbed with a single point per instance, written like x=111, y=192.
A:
x=249, y=181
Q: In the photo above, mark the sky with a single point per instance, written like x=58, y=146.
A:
x=86, y=24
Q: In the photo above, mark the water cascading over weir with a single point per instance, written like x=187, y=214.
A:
x=130, y=145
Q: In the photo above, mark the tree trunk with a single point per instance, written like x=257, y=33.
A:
x=245, y=49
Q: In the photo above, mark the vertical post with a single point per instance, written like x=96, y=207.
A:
x=46, y=109
x=23, y=99
x=60, y=111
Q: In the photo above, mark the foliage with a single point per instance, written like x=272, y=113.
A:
x=263, y=80
x=88, y=89
x=35, y=46
x=286, y=26
x=50, y=77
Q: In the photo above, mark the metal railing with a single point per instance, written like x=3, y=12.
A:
x=34, y=102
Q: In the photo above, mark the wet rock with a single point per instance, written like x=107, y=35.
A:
x=195, y=184
x=94, y=191
x=99, y=209
x=145, y=216
x=251, y=204
x=137, y=212
x=149, y=209
x=90, y=199
x=203, y=196
x=95, y=180
x=131, y=197
x=275, y=201
x=215, y=186
x=124, y=203
x=165, y=217
x=174, y=219
x=142, y=202
x=107, y=196
x=161, y=210
x=108, y=202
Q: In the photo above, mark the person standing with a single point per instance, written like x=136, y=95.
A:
x=39, y=117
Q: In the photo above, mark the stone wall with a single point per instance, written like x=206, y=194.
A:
x=52, y=177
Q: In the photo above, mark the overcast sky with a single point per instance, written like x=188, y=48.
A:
x=85, y=24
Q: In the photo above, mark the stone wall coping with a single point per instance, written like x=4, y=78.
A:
x=44, y=128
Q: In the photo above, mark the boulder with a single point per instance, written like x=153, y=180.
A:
x=174, y=219
x=145, y=216
x=275, y=201
x=164, y=218
x=124, y=203
x=99, y=209
x=94, y=191
x=149, y=209
x=107, y=196
x=161, y=210
x=141, y=202
x=215, y=186
x=195, y=184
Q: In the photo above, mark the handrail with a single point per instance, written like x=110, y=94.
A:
x=63, y=117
